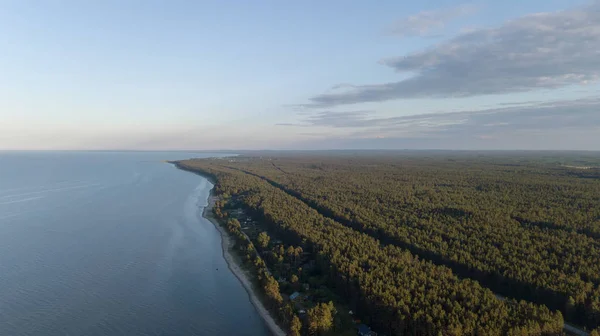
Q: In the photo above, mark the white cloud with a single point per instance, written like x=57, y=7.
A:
x=537, y=51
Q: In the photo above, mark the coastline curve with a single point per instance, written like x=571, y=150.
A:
x=226, y=244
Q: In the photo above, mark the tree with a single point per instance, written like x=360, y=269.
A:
x=570, y=307
x=290, y=252
x=233, y=225
x=295, y=326
x=271, y=288
x=263, y=240
x=297, y=253
x=259, y=263
x=295, y=281
x=320, y=318
x=293, y=254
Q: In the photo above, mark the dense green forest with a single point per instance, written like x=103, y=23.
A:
x=528, y=230
x=403, y=237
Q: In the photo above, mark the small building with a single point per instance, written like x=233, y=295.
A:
x=364, y=330
x=237, y=213
x=294, y=296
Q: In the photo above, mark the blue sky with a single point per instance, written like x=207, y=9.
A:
x=299, y=74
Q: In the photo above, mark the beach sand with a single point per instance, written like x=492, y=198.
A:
x=227, y=244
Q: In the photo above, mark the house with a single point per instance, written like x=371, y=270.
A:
x=364, y=330
x=294, y=296
x=237, y=213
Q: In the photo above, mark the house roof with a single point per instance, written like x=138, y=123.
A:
x=363, y=329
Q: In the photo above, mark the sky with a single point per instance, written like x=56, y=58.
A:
x=198, y=75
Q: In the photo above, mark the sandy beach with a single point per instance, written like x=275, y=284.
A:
x=226, y=245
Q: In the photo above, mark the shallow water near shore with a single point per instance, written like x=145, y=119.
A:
x=97, y=243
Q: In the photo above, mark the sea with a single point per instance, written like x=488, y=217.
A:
x=113, y=243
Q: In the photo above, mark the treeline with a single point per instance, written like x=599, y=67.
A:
x=284, y=311
x=319, y=319
x=526, y=230
x=392, y=289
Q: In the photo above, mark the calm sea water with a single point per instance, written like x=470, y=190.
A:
x=111, y=243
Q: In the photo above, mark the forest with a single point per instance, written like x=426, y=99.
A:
x=430, y=244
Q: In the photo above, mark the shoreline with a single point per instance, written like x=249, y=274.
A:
x=236, y=270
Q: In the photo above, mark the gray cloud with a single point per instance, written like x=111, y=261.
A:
x=333, y=119
x=363, y=119
x=538, y=51
x=426, y=22
x=573, y=124
x=542, y=116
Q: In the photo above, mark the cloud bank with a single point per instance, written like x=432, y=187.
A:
x=542, y=117
x=537, y=51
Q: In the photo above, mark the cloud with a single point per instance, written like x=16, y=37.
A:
x=426, y=22
x=568, y=124
x=541, y=116
x=537, y=51
x=362, y=120
x=333, y=119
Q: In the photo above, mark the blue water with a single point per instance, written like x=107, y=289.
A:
x=105, y=243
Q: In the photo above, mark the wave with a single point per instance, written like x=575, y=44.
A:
x=44, y=187
x=49, y=191
x=23, y=200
